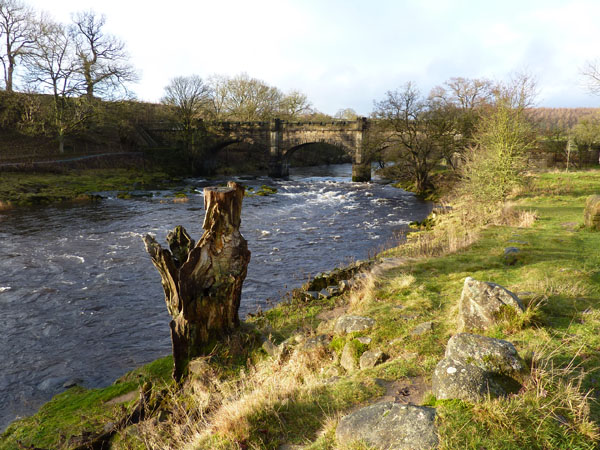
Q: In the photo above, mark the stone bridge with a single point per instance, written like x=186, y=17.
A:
x=282, y=138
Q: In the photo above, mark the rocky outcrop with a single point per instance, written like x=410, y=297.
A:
x=592, y=212
x=482, y=302
x=390, y=426
x=475, y=367
x=353, y=324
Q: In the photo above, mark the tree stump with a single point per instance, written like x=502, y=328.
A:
x=203, y=282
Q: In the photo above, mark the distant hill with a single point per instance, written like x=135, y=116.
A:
x=558, y=119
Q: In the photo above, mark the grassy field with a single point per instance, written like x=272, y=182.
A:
x=246, y=399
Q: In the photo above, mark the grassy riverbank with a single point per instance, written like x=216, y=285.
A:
x=26, y=189
x=242, y=398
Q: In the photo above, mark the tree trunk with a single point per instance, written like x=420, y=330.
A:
x=203, y=282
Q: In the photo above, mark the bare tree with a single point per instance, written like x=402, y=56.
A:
x=346, y=114
x=103, y=61
x=190, y=96
x=218, y=87
x=251, y=99
x=418, y=129
x=52, y=68
x=293, y=105
x=591, y=72
x=17, y=34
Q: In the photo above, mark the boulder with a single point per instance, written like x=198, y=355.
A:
x=463, y=381
x=592, y=212
x=475, y=367
x=352, y=324
x=390, y=426
x=370, y=359
x=481, y=302
x=489, y=354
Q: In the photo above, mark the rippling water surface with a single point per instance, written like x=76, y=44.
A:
x=80, y=299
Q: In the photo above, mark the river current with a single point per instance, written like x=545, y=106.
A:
x=81, y=300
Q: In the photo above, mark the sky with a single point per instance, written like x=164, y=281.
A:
x=348, y=53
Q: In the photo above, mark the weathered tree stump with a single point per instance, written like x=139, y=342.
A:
x=203, y=282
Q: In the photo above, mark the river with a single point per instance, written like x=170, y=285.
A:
x=80, y=299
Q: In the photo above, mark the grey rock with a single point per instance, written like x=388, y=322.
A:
x=511, y=255
x=370, y=359
x=71, y=383
x=366, y=340
x=390, y=426
x=352, y=324
x=481, y=302
x=333, y=290
x=489, y=354
x=274, y=351
x=324, y=293
x=312, y=294
x=463, y=381
x=322, y=340
x=345, y=285
x=348, y=358
x=422, y=328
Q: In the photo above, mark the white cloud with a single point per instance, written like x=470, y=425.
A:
x=345, y=53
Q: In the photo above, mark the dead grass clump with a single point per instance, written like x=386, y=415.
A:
x=551, y=399
x=364, y=292
x=515, y=217
x=559, y=286
x=259, y=389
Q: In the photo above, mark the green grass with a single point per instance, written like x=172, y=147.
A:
x=79, y=410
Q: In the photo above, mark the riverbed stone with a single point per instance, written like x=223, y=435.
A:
x=592, y=212
x=489, y=354
x=481, y=302
x=390, y=426
x=454, y=379
x=370, y=359
x=353, y=324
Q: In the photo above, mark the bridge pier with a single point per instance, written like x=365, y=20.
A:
x=361, y=172
x=278, y=168
x=361, y=168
